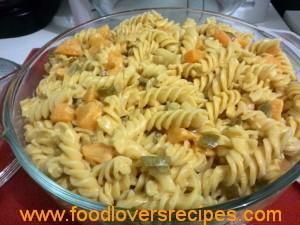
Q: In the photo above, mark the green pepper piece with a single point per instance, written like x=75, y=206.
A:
x=266, y=108
x=155, y=161
x=231, y=35
x=156, y=137
x=231, y=192
x=235, y=121
x=103, y=92
x=173, y=106
x=73, y=69
x=260, y=183
x=208, y=141
x=125, y=118
x=143, y=81
x=161, y=169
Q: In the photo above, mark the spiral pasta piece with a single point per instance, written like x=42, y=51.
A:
x=80, y=176
x=155, y=96
x=190, y=36
x=226, y=101
x=35, y=109
x=177, y=118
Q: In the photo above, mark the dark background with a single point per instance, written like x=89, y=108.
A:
x=20, y=17
x=283, y=5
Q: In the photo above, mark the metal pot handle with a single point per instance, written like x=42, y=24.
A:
x=7, y=74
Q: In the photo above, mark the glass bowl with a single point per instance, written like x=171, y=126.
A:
x=25, y=81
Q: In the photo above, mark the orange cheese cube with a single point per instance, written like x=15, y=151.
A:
x=273, y=50
x=69, y=47
x=97, y=41
x=193, y=56
x=105, y=31
x=90, y=94
x=62, y=112
x=222, y=37
x=243, y=41
x=87, y=114
x=100, y=39
x=97, y=153
x=271, y=59
x=277, y=107
x=115, y=62
x=177, y=135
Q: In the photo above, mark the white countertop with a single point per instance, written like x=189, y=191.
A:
x=16, y=49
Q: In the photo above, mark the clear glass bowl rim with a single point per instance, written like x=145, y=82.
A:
x=73, y=199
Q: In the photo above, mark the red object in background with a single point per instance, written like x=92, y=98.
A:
x=21, y=192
